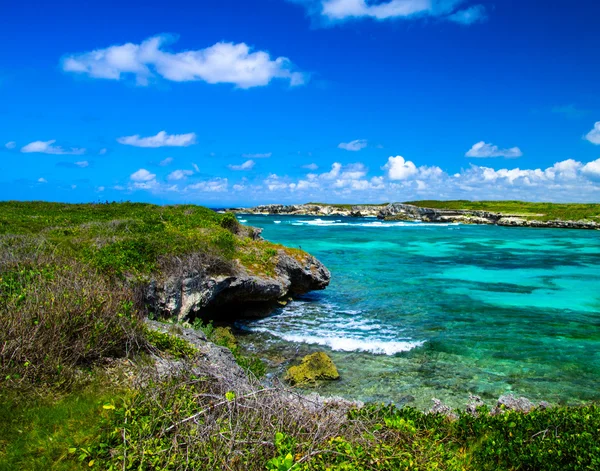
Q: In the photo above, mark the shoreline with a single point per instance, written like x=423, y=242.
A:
x=413, y=213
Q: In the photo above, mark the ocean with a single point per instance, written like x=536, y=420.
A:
x=417, y=311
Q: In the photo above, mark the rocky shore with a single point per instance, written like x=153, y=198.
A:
x=313, y=210
x=407, y=212
x=192, y=289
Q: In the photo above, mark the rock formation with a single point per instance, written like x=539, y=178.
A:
x=408, y=212
x=185, y=295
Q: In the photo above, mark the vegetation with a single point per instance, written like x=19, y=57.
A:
x=80, y=387
x=315, y=367
x=538, y=211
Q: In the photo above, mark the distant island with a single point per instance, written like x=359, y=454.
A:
x=501, y=213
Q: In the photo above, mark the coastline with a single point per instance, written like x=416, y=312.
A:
x=410, y=212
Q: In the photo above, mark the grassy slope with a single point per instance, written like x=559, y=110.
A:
x=539, y=211
x=66, y=312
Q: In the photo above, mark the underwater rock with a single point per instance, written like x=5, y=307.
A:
x=440, y=408
x=510, y=402
x=315, y=367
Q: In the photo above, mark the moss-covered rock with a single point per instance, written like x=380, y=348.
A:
x=317, y=366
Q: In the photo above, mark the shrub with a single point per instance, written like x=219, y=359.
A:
x=230, y=222
x=58, y=315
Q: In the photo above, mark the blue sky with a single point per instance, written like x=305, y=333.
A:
x=234, y=102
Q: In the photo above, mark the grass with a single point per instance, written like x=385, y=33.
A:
x=79, y=389
x=537, y=211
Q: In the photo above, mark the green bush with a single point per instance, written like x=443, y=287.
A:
x=229, y=221
x=170, y=344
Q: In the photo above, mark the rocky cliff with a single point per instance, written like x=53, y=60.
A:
x=194, y=290
x=408, y=212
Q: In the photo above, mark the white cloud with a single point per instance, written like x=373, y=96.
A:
x=355, y=145
x=179, y=175
x=266, y=155
x=483, y=150
x=342, y=10
x=221, y=63
x=165, y=162
x=42, y=180
x=400, y=169
x=468, y=16
x=209, y=186
x=594, y=135
x=101, y=189
x=47, y=147
x=10, y=145
x=312, y=166
x=142, y=175
x=82, y=164
x=196, y=168
x=162, y=139
x=247, y=165
x=592, y=170
x=102, y=151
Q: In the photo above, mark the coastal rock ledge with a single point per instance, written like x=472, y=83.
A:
x=194, y=290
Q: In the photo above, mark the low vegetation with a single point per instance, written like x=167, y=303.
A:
x=537, y=211
x=80, y=387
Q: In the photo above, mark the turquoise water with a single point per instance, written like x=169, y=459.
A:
x=417, y=311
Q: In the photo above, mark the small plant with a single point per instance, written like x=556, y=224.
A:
x=171, y=344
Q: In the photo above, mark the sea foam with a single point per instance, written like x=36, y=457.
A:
x=349, y=344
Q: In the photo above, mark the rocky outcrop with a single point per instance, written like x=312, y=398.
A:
x=188, y=294
x=315, y=367
x=313, y=210
x=408, y=212
x=211, y=356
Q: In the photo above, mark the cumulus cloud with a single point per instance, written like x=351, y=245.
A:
x=48, y=147
x=594, y=135
x=165, y=162
x=592, y=170
x=162, y=139
x=209, y=186
x=102, y=151
x=10, y=145
x=179, y=175
x=247, y=165
x=142, y=175
x=355, y=145
x=400, y=169
x=266, y=155
x=342, y=10
x=483, y=150
x=42, y=180
x=221, y=63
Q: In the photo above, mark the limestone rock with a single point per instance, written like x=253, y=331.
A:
x=314, y=367
x=511, y=402
x=187, y=294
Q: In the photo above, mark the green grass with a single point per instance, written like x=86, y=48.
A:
x=538, y=211
x=131, y=239
x=51, y=434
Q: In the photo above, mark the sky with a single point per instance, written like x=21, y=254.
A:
x=237, y=103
